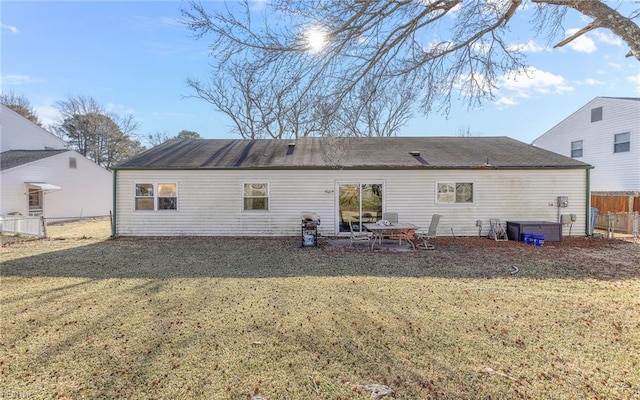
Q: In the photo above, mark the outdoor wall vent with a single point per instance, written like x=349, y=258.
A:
x=414, y=153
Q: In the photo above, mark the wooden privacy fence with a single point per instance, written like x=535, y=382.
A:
x=616, y=202
x=20, y=225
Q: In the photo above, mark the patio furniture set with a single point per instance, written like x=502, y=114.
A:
x=389, y=228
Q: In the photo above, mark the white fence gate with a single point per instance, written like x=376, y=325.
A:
x=35, y=226
x=621, y=222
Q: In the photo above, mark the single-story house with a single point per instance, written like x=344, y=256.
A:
x=55, y=184
x=219, y=187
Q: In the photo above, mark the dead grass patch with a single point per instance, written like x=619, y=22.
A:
x=228, y=318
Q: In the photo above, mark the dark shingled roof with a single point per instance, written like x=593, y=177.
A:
x=15, y=158
x=333, y=152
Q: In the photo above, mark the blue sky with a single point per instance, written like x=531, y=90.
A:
x=134, y=58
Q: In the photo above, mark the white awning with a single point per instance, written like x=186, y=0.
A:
x=46, y=187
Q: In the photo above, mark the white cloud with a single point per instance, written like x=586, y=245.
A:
x=10, y=28
x=119, y=109
x=48, y=114
x=16, y=79
x=532, y=82
x=535, y=80
x=635, y=79
x=590, y=82
x=582, y=44
x=504, y=102
x=530, y=47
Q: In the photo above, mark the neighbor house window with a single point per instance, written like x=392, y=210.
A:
x=455, y=192
x=596, y=114
x=576, y=149
x=622, y=142
x=255, y=196
x=73, y=163
x=161, y=196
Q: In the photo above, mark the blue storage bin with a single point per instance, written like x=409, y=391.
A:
x=538, y=240
x=527, y=238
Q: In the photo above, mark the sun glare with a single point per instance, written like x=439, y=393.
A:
x=315, y=39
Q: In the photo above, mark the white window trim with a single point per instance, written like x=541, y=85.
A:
x=628, y=141
x=155, y=196
x=260, y=182
x=455, y=203
x=581, y=148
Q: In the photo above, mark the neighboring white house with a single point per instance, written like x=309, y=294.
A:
x=605, y=133
x=40, y=176
x=18, y=133
x=212, y=187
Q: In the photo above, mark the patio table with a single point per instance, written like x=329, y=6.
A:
x=400, y=230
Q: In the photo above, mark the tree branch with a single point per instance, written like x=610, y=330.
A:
x=590, y=27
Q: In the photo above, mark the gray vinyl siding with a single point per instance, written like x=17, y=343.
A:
x=210, y=201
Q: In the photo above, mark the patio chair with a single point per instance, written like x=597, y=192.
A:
x=430, y=234
x=393, y=218
x=359, y=237
x=390, y=216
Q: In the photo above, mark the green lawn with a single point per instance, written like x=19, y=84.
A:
x=219, y=318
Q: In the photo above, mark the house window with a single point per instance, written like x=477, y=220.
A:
x=576, y=149
x=73, y=163
x=622, y=142
x=144, y=196
x=255, y=196
x=152, y=197
x=596, y=114
x=455, y=192
x=167, y=196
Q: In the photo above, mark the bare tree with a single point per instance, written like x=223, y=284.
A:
x=157, y=138
x=377, y=109
x=277, y=67
x=21, y=105
x=263, y=100
x=103, y=137
x=465, y=131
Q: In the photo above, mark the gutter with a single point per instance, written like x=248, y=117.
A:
x=364, y=167
x=115, y=214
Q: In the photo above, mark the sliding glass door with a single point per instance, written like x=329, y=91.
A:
x=360, y=203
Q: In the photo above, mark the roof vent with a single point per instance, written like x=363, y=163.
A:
x=414, y=153
x=290, y=147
